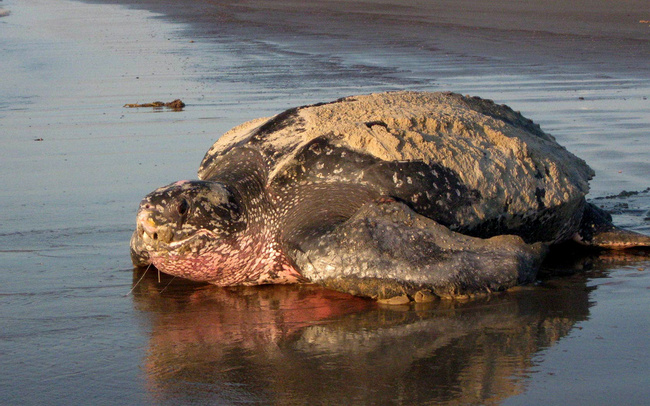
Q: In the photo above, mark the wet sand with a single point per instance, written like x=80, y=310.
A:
x=589, y=34
x=75, y=164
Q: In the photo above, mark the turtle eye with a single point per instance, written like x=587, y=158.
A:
x=183, y=207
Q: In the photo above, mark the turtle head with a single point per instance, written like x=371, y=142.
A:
x=201, y=230
x=186, y=217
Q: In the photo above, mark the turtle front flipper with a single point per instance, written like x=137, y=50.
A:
x=388, y=252
x=597, y=230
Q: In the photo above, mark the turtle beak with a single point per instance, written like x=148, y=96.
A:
x=146, y=222
x=151, y=228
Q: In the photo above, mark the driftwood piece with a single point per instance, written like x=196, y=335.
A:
x=174, y=105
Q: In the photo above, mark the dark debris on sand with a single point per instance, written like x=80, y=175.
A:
x=174, y=105
x=623, y=194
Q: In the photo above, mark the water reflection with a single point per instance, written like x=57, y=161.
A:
x=304, y=344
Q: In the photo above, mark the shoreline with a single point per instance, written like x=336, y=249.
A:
x=507, y=33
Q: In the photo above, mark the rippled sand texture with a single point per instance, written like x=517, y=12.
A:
x=75, y=163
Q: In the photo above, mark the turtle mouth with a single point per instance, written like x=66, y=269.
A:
x=199, y=235
x=157, y=242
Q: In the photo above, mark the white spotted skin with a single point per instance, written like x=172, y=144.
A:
x=247, y=262
x=196, y=230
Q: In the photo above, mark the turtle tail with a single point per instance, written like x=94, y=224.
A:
x=597, y=230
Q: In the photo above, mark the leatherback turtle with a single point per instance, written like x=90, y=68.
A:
x=406, y=195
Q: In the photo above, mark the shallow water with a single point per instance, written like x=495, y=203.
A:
x=71, y=331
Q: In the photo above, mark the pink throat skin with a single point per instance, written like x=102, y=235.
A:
x=246, y=261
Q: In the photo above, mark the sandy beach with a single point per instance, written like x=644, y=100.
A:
x=80, y=326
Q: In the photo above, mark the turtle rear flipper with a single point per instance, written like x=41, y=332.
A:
x=597, y=230
x=387, y=250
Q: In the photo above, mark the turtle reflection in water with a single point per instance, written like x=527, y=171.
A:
x=301, y=344
x=395, y=196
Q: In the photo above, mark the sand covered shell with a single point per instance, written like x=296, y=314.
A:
x=509, y=169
